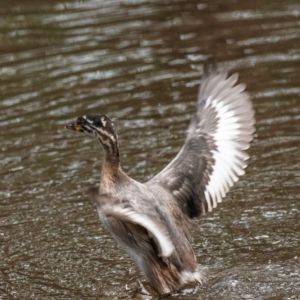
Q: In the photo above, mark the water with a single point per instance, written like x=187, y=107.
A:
x=140, y=62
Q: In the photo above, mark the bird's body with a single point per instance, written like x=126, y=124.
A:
x=152, y=220
x=138, y=213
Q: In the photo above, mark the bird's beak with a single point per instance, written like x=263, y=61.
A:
x=74, y=126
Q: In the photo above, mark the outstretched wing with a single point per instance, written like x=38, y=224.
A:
x=213, y=155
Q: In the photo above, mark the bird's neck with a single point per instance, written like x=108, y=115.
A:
x=112, y=161
x=111, y=167
x=112, y=156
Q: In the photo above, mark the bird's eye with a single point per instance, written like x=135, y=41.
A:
x=80, y=121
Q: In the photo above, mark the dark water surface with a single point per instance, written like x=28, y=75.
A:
x=138, y=62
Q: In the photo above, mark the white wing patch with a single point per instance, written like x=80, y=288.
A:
x=231, y=137
x=159, y=234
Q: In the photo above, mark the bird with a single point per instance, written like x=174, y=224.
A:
x=152, y=221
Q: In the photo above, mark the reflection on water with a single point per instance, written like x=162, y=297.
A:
x=138, y=62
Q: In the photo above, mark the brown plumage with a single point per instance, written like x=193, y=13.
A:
x=152, y=220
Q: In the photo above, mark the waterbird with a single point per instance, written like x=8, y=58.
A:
x=151, y=221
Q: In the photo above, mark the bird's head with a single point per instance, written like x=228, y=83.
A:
x=99, y=126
